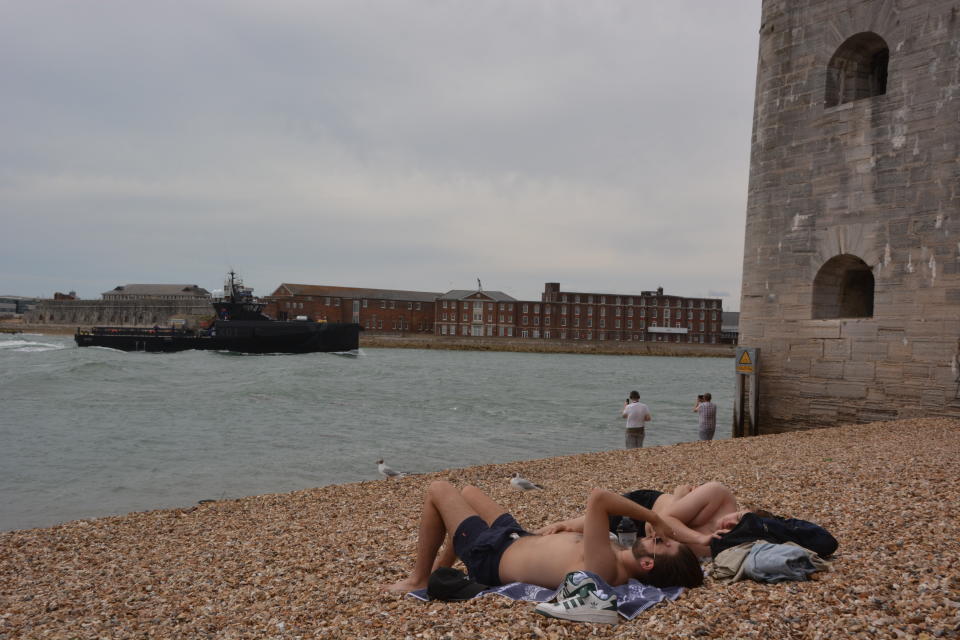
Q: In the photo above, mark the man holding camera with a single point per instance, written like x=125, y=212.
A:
x=707, y=416
x=637, y=415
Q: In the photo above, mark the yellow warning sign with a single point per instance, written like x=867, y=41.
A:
x=744, y=363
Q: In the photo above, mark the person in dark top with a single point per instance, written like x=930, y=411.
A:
x=697, y=515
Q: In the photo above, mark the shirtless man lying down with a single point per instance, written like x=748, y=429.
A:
x=497, y=550
x=695, y=515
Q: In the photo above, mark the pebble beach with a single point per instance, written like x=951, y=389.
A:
x=308, y=564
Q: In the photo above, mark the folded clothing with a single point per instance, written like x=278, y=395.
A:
x=766, y=562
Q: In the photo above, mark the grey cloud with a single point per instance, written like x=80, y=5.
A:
x=529, y=141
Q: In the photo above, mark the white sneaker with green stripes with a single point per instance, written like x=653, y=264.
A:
x=586, y=606
x=574, y=583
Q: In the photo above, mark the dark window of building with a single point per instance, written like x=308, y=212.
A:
x=843, y=288
x=857, y=70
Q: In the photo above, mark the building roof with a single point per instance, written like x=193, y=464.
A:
x=289, y=289
x=477, y=294
x=158, y=290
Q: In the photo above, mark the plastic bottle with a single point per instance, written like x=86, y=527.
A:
x=626, y=532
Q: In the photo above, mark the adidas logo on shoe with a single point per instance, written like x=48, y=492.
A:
x=575, y=583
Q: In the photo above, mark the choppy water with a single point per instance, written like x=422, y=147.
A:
x=92, y=432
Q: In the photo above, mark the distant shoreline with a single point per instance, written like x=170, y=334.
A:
x=519, y=345
x=527, y=345
x=44, y=329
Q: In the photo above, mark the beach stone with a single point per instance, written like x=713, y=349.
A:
x=294, y=565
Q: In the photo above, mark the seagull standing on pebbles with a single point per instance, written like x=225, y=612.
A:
x=387, y=472
x=523, y=483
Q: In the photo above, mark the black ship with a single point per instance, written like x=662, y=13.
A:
x=239, y=325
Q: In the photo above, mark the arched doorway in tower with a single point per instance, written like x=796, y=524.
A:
x=843, y=288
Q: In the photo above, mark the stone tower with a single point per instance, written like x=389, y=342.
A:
x=851, y=269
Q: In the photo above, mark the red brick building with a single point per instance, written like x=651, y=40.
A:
x=568, y=315
x=376, y=310
x=558, y=315
x=479, y=313
x=647, y=316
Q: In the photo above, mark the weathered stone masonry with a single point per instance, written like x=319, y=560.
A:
x=143, y=313
x=851, y=276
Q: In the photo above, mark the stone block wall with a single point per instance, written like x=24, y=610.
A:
x=142, y=313
x=851, y=273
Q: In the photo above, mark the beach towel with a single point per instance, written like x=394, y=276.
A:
x=633, y=598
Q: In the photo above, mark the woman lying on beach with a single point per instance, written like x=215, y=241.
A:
x=696, y=515
x=497, y=550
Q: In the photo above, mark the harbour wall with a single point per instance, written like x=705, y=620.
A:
x=519, y=345
x=549, y=346
x=142, y=313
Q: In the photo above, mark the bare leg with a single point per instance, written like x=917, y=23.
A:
x=484, y=507
x=703, y=505
x=480, y=502
x=682, y=490
x=447, y=555
x=443, y=510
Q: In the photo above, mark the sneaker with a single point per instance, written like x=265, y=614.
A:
x=586, y=607
x=575, y=583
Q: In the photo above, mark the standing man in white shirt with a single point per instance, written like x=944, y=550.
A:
x=637, y=415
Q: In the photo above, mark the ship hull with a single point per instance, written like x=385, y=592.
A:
x=237, y=336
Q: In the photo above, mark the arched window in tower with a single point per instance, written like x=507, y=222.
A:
x=843, y=288
x=858, y=69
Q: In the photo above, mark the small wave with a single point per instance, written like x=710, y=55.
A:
x=9, y=344
x=26, y=346
x=88, y=367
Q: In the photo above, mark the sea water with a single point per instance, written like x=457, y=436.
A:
x=92, y=432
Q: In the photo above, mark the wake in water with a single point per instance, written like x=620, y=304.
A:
x=27, y=346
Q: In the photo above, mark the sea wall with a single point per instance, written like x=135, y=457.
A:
x=548, y=346
x=519, y=345
x=142, y=313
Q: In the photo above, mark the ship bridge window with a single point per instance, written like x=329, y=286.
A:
x=857, y=70
x=843, y=288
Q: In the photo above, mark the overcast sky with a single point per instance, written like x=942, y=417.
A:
x=403, y=144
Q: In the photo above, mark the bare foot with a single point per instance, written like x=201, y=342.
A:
x=404, y=585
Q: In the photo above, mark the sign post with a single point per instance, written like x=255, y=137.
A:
x=746, y=402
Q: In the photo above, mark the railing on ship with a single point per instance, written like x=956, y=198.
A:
x=136, y=331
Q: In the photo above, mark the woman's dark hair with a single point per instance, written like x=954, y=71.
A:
x=681, y=569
